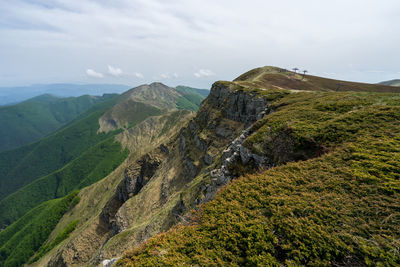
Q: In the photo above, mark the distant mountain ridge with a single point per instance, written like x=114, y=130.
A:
x=148, y=99
x=13, y=95
x=32, y=119
x=395, y=82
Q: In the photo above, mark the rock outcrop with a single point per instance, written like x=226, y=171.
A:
x=136, y=176
x=239, y=106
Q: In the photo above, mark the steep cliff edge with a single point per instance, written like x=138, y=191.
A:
x=329, y=192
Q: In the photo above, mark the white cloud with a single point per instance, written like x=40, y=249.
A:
x=203, y=73
x=116, y=72
x=176, y=75
x=159, y=36
x=164, y=76
x=139, y=75
x=94, y=74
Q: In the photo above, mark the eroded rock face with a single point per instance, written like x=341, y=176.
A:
x=137, y=176
x=239, y=106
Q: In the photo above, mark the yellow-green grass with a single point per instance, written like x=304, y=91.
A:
x=333, y=198
x=273, y=77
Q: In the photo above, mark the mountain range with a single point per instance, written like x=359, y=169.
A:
x=14, y=95
x=395, y=82
x=273, y=168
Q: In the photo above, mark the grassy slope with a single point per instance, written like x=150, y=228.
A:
x=191, y=90
x=335, y=202
x=391, y=82
x=28, y=121
x=19, y=241
x=23, y=165
x=191, y=98
x=271, y=78
x=85, y=170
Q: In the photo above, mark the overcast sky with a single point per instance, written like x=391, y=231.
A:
x=195, y=42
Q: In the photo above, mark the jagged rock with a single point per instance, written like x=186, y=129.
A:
x=223, y=132
x=109, y=263
x=193, y=127
x=260, y=160
x=164, y=149
x=182, y=142
x=216, y=173
x=191, y=168
x=208, y=159
x=137, y=176
x=109, y=211
x=245, y=154
x=178, y=209
x=222, y=180
x=240, y=106
x=200, y=144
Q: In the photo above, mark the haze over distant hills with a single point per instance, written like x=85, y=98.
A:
x=13, y=95
x=395, y=82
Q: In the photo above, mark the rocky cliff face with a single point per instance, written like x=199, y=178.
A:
x=239, y=106
x=158, y=189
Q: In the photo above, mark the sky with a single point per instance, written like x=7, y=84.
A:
x=194, y=42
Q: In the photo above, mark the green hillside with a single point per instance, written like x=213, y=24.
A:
x=191, y=97
x=21, y=239
x=23, y=165
x=32, y=119
x=191, y=90
x=94, y=164
x=330, y=199
x=395, y=82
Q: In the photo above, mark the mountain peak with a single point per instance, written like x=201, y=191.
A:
x=158, y=84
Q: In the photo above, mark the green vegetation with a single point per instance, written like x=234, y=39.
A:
x=191, y=98
x=85, y=170
x=21, y=166
x=332, y=200
x=307, y=124
x=30, y=120
x=64, y=234
x=184, y=103
x=273, y=78
x=395, y=82
x=22, y=239
x=190, y=90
